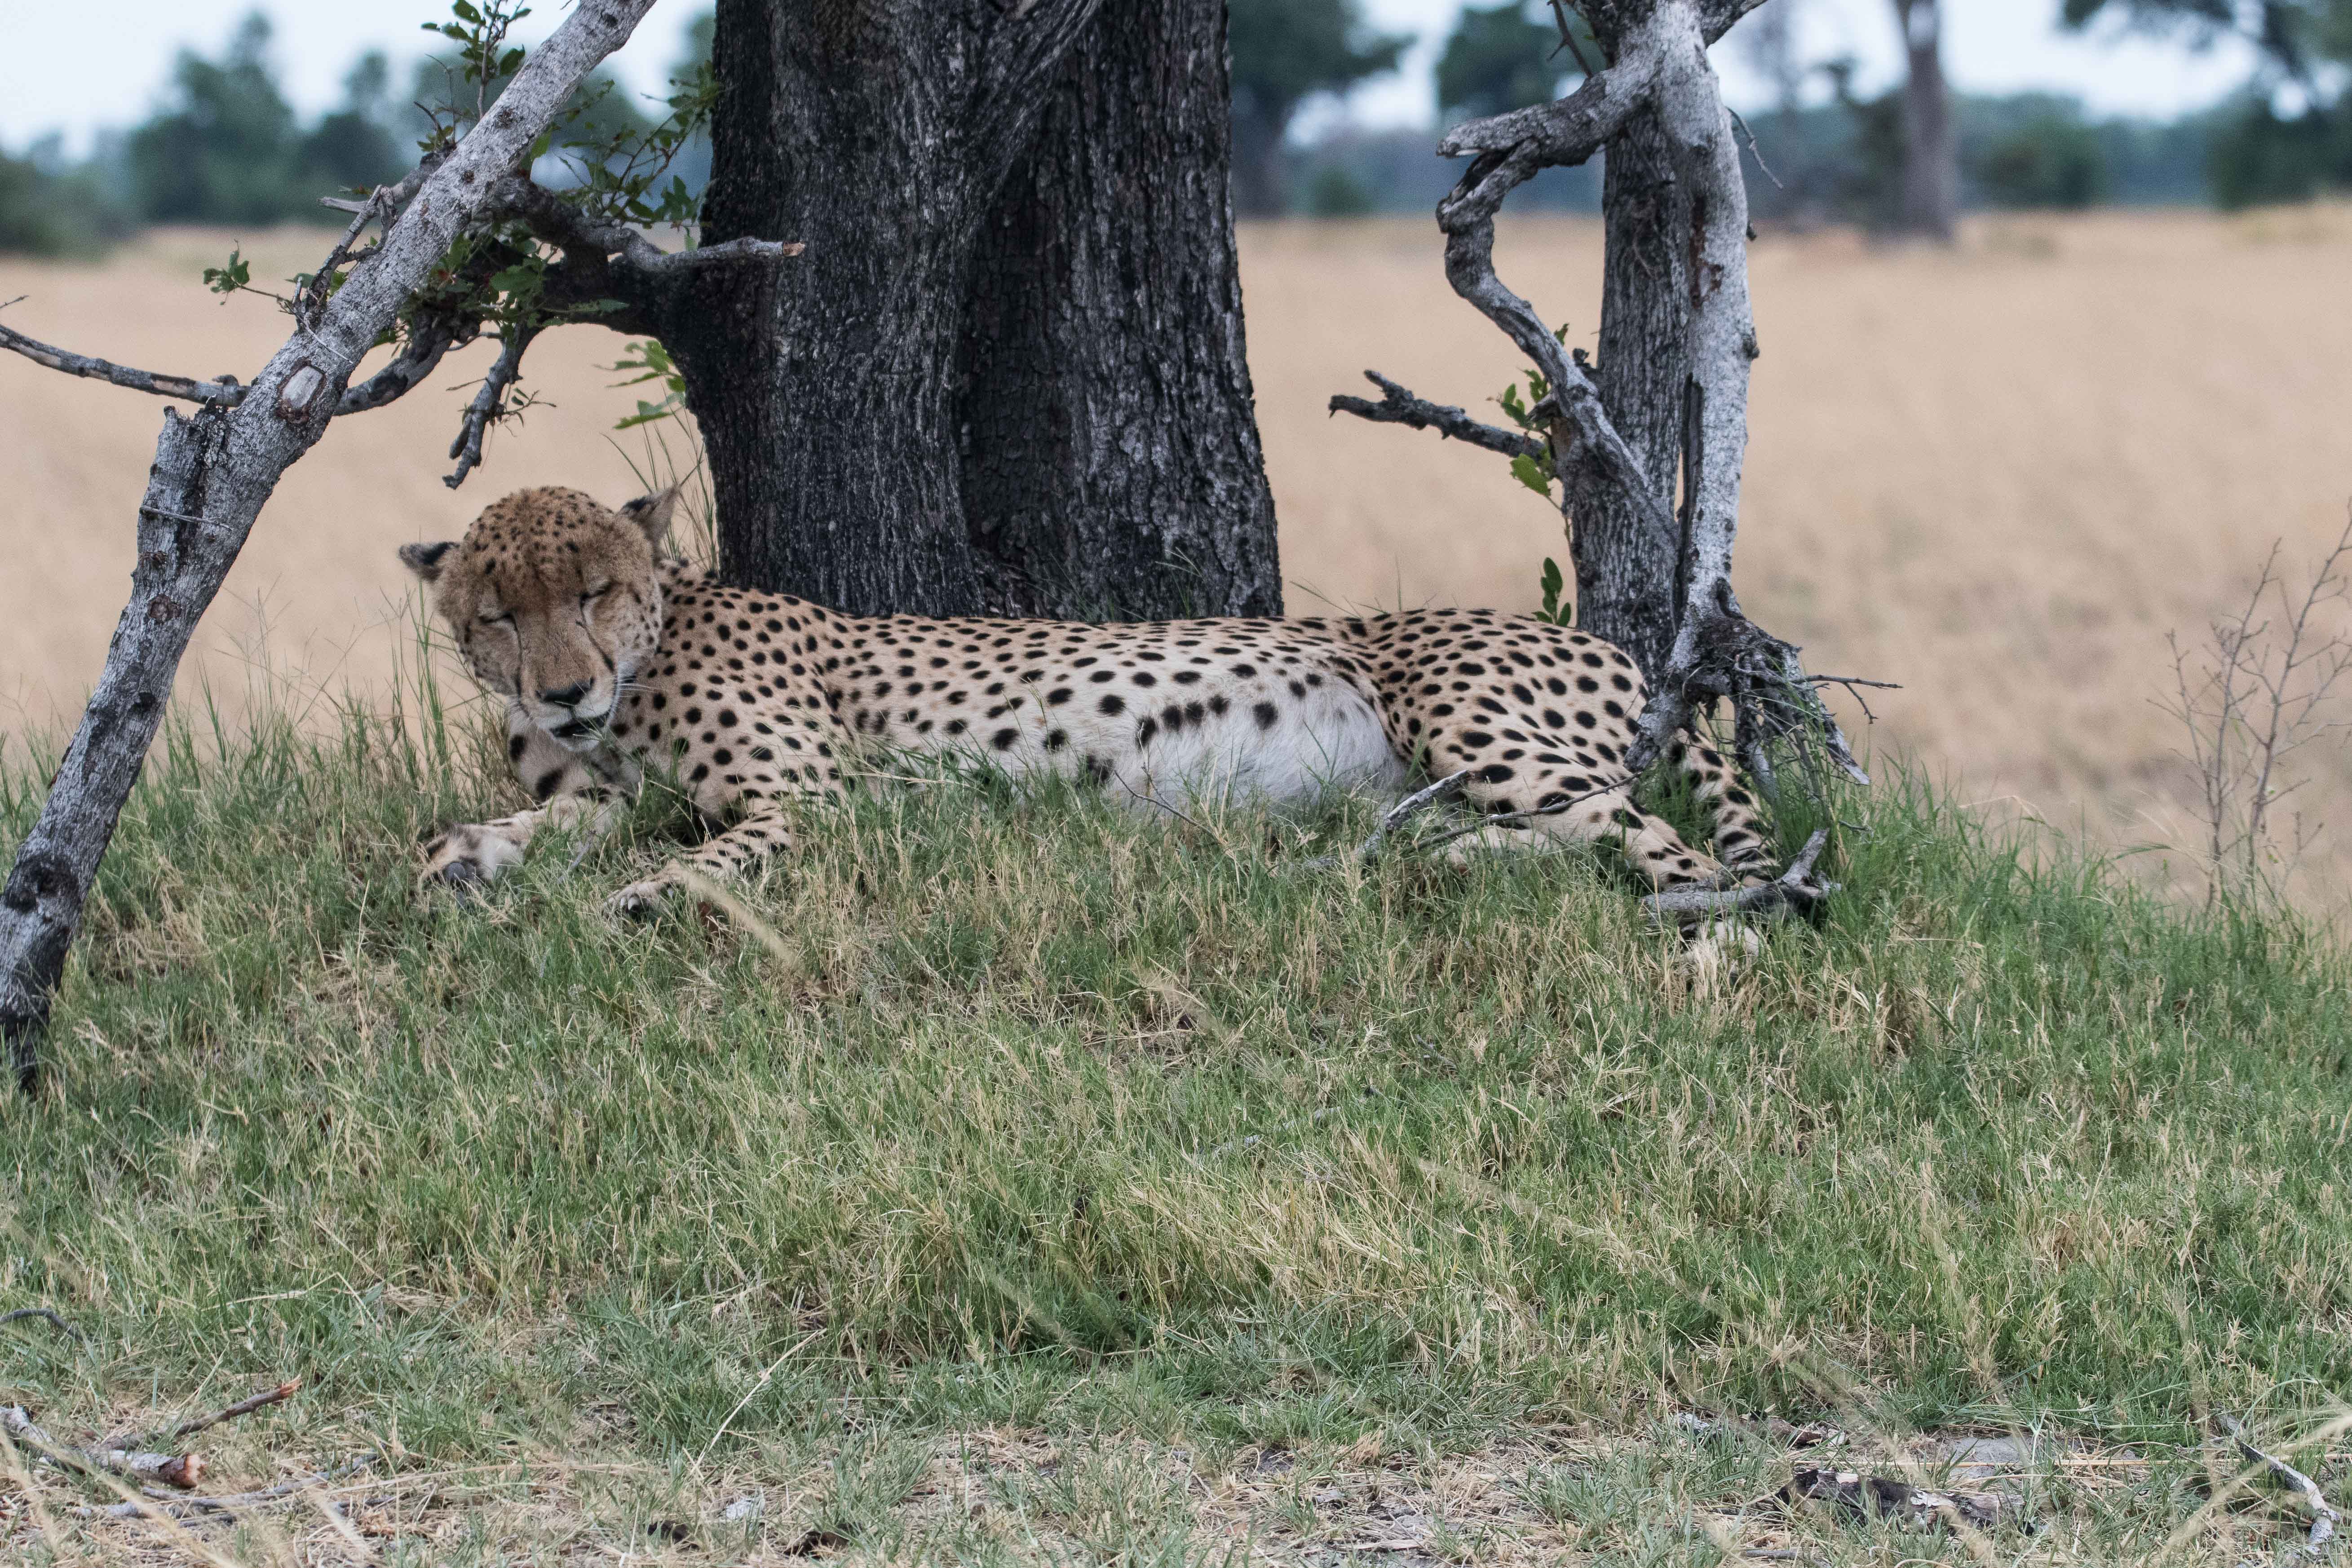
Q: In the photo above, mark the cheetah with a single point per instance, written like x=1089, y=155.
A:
x=613, y=657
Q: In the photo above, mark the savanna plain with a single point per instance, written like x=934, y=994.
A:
x=1011, y=1180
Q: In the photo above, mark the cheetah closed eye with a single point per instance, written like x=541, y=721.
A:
x=610, y=654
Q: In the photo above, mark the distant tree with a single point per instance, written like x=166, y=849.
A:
x=354, y=147
x=228, y=147
x=2053, y=159
x=1930, y=205
x=1499, y=59
x=2262, y=153
x=225, y=151
x=1284, y=52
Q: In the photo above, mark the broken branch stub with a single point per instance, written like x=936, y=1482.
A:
x=213, y=473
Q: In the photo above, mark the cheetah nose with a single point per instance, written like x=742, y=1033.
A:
x=565, y=696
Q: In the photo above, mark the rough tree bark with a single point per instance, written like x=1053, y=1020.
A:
x=1687, y=395
x=1931, y=161
x=1018, y=230
x=1627, y=561
x=1111, y=464
x=211, y=476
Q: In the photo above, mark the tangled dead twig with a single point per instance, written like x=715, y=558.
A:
x=2324, y=1517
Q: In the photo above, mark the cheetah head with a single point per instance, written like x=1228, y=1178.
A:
x=554, y=602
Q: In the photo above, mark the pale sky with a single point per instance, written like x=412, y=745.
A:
x=85, y=63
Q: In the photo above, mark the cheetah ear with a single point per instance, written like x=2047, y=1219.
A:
x=425, y=560
x=651, y=513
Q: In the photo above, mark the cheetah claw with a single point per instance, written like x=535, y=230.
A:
x=640, y=901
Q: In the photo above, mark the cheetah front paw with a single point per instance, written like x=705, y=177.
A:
x=643, y=900
x=468, y=858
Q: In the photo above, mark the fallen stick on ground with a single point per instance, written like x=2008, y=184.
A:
x=181, y=1470
x=1866, y=1496
x=2324, y=1517
x=55, y=1321
x=229, y=1502
x=286, y=1390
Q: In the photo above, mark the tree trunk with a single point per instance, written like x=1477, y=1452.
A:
x=1007, y=375
x=1931, y=162
x=1627, y=581
x=212, y=475
x=1111, y=467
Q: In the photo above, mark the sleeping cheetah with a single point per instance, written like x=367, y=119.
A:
x=610, y=656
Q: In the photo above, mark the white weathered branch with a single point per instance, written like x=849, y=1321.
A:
x=211, y=477
x=178, y=1471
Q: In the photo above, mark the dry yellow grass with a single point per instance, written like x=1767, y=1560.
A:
x=1999, y=475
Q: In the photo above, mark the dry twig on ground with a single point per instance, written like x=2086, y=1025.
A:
x=2324, y=1517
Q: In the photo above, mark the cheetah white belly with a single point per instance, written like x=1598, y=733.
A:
x=1330, y=739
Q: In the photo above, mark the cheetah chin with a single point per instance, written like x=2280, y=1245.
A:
x=613, y=657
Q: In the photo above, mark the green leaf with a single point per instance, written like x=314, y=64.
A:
x=229, y=280
x=1532, y=474
x=460, y=8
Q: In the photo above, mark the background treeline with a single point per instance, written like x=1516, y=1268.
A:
x=223, y=145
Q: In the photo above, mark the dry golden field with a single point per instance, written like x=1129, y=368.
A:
x=1999, y=475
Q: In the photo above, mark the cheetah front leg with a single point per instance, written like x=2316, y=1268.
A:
x=573, y=794
x=762, y=832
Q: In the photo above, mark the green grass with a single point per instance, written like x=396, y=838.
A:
x=1058, y=1132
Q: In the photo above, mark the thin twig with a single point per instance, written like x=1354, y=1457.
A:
x=488, y=404
x=246, y=1406
x=1398, y=405
x=2324, y=1517
x=1395, y=817
x=1754, y=151
x=55, y=1321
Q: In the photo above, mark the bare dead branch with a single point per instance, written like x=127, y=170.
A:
x=562, y=224
x=488, y=405
x=246, y=1406
x=169, y=1506
x=2324, y=1517
x=386, y=385
x=55, y=1321
x=224, y=391
x=1792, y=892
x=179, y=1471
x=1398, y=405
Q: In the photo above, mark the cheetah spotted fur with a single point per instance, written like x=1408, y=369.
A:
x=613, y=657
